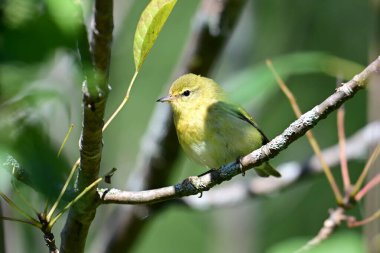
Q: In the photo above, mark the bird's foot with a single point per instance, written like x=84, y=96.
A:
x=196, y=184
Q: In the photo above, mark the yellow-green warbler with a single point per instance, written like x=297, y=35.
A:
x=212, y=131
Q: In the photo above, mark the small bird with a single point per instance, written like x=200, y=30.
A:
x=212, y=131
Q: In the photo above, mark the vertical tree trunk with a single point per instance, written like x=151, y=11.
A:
x=372, y=203
x=2, y=240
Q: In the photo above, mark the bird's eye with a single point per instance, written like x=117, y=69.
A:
x=186, y=93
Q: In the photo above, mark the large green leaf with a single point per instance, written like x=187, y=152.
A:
x=150, y=24
x=259, y=82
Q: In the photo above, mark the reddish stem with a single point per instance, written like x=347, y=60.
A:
x=309, y=134
x=364, y=173
x=367, y=220
x=372, y=183
x=342, y=150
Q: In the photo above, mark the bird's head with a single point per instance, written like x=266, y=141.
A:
x=190, y=92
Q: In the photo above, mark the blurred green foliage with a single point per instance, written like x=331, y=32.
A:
x=311, y=43
x=259, y=79
x=33, y=30
x=347, y=242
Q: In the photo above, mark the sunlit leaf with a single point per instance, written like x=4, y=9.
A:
x=258, y=81
x=150, y=24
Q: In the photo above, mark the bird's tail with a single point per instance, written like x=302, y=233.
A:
x=266, y=170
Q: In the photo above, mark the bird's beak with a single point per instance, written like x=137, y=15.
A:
x=165, y=99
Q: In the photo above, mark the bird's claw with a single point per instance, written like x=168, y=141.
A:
x=196, y=184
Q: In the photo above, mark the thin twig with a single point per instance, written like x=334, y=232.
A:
x=372, y=183
x=353, y=223
x=65, y=139
x=126, y=97
x=367, y=166
x=86, y=190
x=313, y=142
x=342, y=153
x=63, y=190
x=18, y=209
x=37, y=225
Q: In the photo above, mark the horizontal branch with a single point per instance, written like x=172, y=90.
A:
x=357, y=147
x=197, y=184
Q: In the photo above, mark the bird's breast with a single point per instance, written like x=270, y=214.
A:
x=191, y=131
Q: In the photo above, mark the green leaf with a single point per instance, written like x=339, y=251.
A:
x=258, y=81
x=150, y=24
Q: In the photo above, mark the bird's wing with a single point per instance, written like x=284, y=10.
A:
x=240, y=113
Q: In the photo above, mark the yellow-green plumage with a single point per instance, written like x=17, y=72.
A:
x=212, y=131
